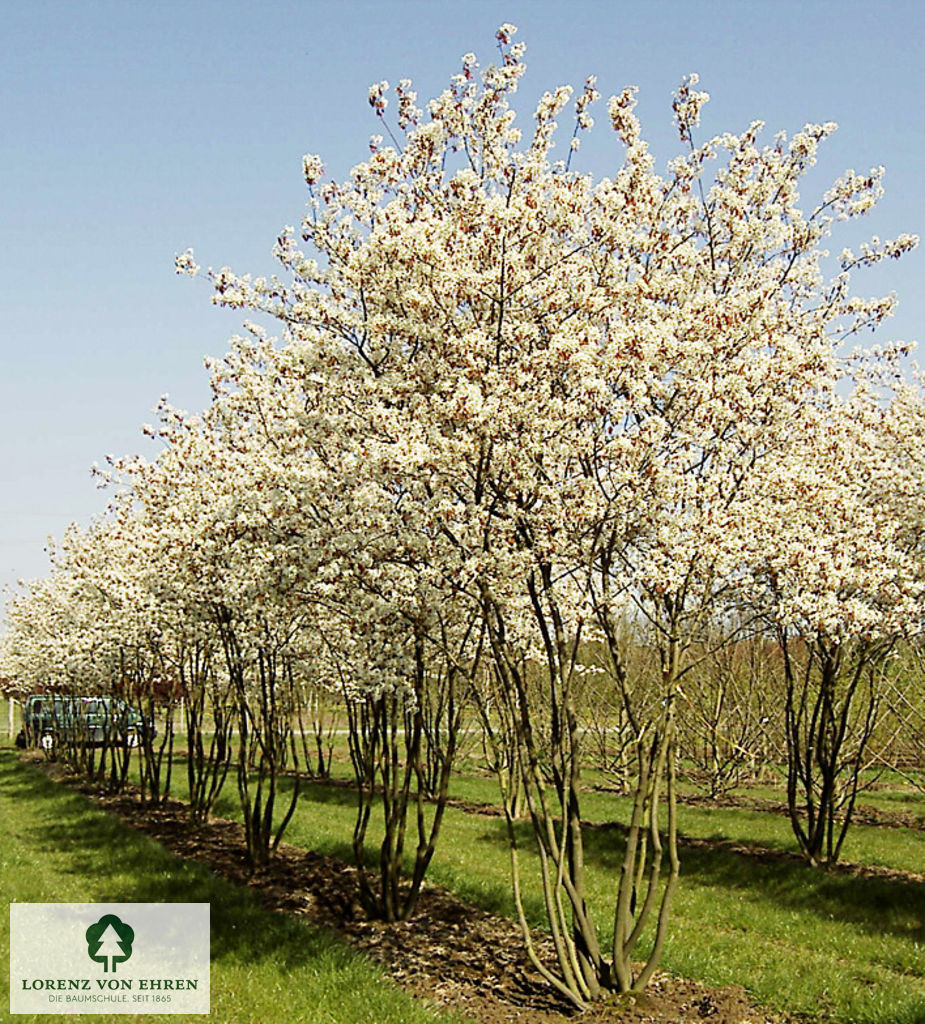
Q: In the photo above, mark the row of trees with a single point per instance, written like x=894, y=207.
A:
x=524, y=433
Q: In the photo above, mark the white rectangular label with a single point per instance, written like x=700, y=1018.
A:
x=109, y=958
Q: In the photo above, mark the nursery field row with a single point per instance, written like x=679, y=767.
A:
x=846, y=945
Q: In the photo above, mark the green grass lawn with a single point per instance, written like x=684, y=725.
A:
x=57, y=847
x=845, y=948
x=900, y=848
x=830, y=945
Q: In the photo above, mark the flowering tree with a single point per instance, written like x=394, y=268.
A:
x=841, y=595
x=202, y=498
x=88, y=631
x=577, y=401
x=522, y=426
x=520, y=416
x=378, y=626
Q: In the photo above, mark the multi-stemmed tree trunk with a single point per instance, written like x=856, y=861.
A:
x=208, y=700
x=156, y=751
x=547, y=748
x=393, y=767
x=264, y=712
x=833, y=700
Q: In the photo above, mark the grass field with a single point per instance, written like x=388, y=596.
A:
x=833, y=946
x=57, y=847
x=845, y=948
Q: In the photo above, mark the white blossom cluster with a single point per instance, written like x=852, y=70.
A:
x=507, y=401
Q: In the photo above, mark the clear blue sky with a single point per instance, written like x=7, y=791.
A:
x=131, y=130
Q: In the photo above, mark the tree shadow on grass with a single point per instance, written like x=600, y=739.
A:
x=126, y=867
x=874, y=905
x=325, y=791
x=316, y=791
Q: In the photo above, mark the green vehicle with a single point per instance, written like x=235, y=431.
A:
x=50, y=720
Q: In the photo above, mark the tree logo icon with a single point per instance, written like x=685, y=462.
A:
x=109, y=941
